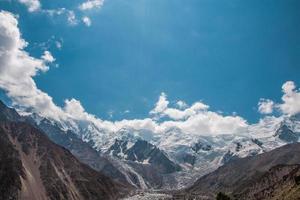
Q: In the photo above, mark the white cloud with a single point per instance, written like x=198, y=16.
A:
x=91, y=4
x=47, y=57
x=196, y=119
x=208, y=123
x=58, y=44
x=181, y=104
x=87, y=21
x=71, y=17
x=17, y=69
x=290, y=104
x=35, y=6
x=32, y=5
x=53, y=12
x=265, y=106
x=290, y=98
x=161, y=109
x=203, y=123
x=161, y=105
x=74, y=108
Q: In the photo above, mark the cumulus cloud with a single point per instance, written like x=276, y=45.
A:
x=91, y=4
x=265, y=106
x=161, y=105
x=208, y=123
x=74, y=108
x=290, y=98
x=162, y=109
x=17, y=69
x=87, y=21
x=32, y=5
x=290, y=104
x=195, y=119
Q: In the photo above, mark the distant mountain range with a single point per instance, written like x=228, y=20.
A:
x=168, y=160
x=262, y=163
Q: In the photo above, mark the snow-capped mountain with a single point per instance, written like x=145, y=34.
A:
x=174, y=157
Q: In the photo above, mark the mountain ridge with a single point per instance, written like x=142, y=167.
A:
x=237, y=176
x=39, y=169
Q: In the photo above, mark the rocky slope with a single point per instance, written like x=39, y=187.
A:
x=33, y=167
x=271, y=175
x=280, y=182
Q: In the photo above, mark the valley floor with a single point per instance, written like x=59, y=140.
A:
x=149, y=196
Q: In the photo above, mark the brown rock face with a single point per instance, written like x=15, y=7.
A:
x=32, y=167
x=271, y=175
x=280, y=182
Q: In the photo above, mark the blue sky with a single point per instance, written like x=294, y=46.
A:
x=228, y=54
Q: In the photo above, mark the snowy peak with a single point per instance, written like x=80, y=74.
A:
x=143, y=152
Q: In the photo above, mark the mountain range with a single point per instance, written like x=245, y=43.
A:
x=51, y=159
x=168, y=160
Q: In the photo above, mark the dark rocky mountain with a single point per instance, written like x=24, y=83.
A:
x=33, y=167
x=265, y=176
x=119, y=148
x=148, y=161
x=7, y=113
x=201, y=146
x=257, y=142
x=286, y=134
x=229, y=156
x=146, y=153
x=189, y=158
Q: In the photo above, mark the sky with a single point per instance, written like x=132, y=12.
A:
x=119, y=57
